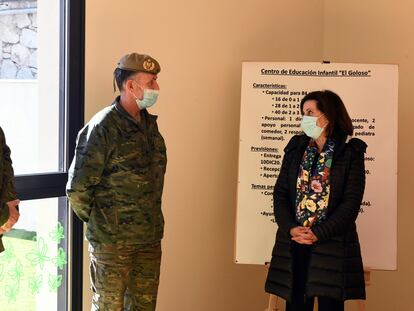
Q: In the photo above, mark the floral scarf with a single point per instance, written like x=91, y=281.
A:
x=312, y=186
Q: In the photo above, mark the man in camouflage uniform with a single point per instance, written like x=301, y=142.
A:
x=115, y=186
x=8, y=206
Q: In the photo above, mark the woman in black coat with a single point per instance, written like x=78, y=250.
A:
x=317, y=199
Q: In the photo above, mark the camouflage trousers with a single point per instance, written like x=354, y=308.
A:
x=125, y=278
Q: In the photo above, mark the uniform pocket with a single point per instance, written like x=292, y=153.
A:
x=104, y=219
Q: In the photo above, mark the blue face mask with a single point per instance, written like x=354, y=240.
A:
x=149, y=99
x=310, y=128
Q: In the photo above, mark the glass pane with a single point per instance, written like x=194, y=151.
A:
x=30, y=45
x=33, y=268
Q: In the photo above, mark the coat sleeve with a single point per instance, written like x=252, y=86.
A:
x=86, y=170
x=8, y=191
x=159, y=160
x=8, y=188
x=281, y=198
x=347, y=211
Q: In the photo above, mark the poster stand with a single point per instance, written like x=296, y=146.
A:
x=276, y=303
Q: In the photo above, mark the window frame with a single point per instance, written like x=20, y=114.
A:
x=71, y=120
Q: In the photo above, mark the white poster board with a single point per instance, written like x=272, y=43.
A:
x=270, y=116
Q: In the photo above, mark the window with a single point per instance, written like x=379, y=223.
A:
x=41, y=111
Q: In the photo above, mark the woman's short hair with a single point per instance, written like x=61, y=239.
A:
x=332, y=106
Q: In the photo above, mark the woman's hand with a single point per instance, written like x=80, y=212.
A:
x=303, y=235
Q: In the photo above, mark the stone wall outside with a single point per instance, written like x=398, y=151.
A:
x=18, y=41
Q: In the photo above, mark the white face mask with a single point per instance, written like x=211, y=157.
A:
x=310, y=128
x=149, y=99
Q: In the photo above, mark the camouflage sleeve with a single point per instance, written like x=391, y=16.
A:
x=159, y=160
x=86, y=170
x=8, y=189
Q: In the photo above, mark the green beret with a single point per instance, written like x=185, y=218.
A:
x=140, y=63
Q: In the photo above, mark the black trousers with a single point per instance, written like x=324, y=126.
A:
x=301, y=256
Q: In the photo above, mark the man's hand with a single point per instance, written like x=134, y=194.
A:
x=13, y=216
x=303, y=235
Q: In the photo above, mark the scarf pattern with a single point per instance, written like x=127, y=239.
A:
x=313, y=184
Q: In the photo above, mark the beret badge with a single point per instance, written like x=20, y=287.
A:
x=148, y=65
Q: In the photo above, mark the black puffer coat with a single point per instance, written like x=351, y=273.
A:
x=335, y=268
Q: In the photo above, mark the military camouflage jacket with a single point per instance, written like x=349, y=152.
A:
x=116, y=178
x=8, y=192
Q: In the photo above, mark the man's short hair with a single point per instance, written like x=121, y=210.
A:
x=121, y=75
